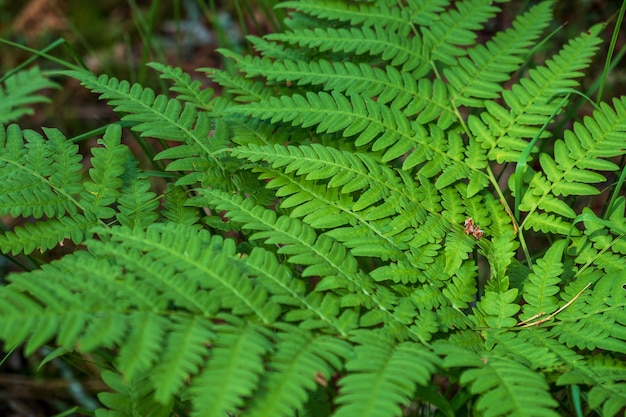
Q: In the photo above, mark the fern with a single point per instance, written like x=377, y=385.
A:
x=376, y=203
x=18, y=92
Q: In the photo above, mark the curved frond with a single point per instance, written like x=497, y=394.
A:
x=299, y=360
x=131, y=397
x=186, y=89
x=189, y=336
x=405, y=52
x=542, y=283
x=19, y=91
x=593, y=319
x=509, y=388
x=46, y=234
x=454, y=29
x=40, y=177
x=532, y=101
x=233, y=371
x=480, y=75
x=394, y=19
x=383, y=376
x=573, y=170
x=106, y=175
x=424, y=98
x=156, y=116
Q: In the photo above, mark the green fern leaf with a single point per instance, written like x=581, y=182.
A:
x=175, y=209
x=542, y=283
x=508, y=388
x=425, y=99
x=602, y=243
x=349, y=171
x=530, y=101
x=137, y=204
x=592, y=323
x=237, y=363
x=454, y=29
x=461, y=291
x=156, y=116
x=383, y=376
x=185, y=350
x=19, y=92
x=569, y=172
x=367, y=15
x=132, y=398
x=480, y=76
x=46, y=234
x=399, y=50
x=611, y=397
x=187, y=89
x=496, y=309
x=144, y=344
x=298, y=359
x=245, y=90
x=39, y=177
x=327, y=259
x=538, y=348
x=108, y=166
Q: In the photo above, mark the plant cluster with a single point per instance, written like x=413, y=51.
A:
x=379, y=216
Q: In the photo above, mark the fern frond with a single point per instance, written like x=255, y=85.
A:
x=425, y=99
x=186, y=348
x=603, y=242
x=245, y=90
x=371, y=122
x=542, y=283
x=594, y=320
x=185, y=247
x=46, y=234
x=144, y=345
x=108, y=166
x=39, y=177
x=383, y=376
x=497, y=308
x=19, y=92
x=236, y=362
x=537, y=347
x=479, y=76
x=131, y=397
x=137, y=204
x=610, y=397
x=156, y=115
x=509, y=388
x=348, y=171
x=174, y=209
x=394, y=19
x=455, y=28
x=504, y=132
x=299, y=358
x=147, y=258
x=463, y=288
x=605, y=375
x=577, y=159
x=320, y=255
x=186, y=89
x=400, y=51
x=327, y=259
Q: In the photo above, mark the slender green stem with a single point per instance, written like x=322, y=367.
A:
x=607, y=62
x=43, y=54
